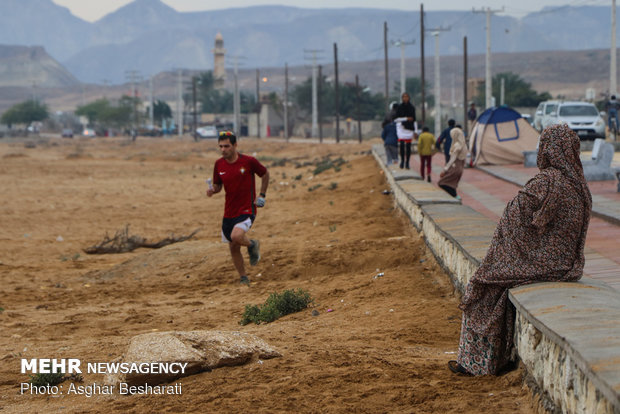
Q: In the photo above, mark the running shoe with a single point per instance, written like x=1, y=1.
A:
x=254, y=252
x=245, y=280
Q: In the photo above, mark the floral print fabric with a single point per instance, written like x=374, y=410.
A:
x=540, y=237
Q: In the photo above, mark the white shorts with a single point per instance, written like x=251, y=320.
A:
x=245, y=225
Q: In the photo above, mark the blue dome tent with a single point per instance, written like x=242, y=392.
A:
x=499, y=136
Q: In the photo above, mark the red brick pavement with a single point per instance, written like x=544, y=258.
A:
x=489, y=195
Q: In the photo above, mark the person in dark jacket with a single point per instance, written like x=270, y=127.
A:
x=405, y=128
x=446, y=140
x=390, y=142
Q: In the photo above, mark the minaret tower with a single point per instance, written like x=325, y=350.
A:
x=219, y=68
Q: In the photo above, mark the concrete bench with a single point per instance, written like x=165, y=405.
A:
x=599, y=167
x=568, y=337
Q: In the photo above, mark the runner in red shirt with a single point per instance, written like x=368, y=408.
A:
x=235, y=173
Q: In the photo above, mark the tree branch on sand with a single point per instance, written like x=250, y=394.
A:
x=122, y=242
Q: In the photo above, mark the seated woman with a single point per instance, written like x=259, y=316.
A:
x=540, y=238
x=453, y=170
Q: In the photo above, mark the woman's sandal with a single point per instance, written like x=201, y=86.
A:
x=457, y=368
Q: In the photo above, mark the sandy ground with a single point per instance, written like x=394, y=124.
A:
x=383, y=348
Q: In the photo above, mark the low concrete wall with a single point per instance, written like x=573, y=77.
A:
x=568, y=337
x=567, y=334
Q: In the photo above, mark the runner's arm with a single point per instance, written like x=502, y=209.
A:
x=264, y=183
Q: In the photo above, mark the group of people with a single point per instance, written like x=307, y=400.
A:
x=548, y=218
x=400, y=129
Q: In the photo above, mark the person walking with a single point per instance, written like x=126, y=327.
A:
x=472, y=114
x=389, y=136
x=235, y=173
x=405, y=128
x=426, y=142
x=453, y=170
x=540, y=238
x=445, y=139
x=612, y=107
x=390, y=142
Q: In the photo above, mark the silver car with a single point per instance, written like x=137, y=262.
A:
x=582, y=117
x=207, y=131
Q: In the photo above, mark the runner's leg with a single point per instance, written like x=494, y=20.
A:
x=239, y=238
x=237, y=258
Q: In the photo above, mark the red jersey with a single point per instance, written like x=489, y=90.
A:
x=238, y=181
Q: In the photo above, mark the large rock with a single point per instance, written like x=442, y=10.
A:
x=201, y=350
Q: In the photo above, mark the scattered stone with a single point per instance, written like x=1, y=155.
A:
x=201, y=350
x=315, y=313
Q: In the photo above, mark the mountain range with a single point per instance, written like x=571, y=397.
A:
x=151, y=37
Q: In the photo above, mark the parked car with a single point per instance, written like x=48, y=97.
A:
x=542, y=112
x=582, y=117
x=67, y=133
x=207, y=131
x=89, y=133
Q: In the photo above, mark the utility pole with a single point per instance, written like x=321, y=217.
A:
x=258, y=104
x=134, y=77
x=465, y=119
x=385, y=52
x=319, y=103
x=180, y=105
x=359, y=114
x=435, y=32
x=488, y=80
x=336, y=93
x=151, y=102
x=402, y=45
x=422, y=79
x=236, y=101
x=236, y=97
x=286, y=101
x=501, y=90
x=315, y=117
x=194, y=111
x=612, y=54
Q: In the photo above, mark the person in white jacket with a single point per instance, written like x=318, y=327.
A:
x=405, y=128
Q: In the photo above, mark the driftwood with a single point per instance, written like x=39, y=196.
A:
x=122, y=242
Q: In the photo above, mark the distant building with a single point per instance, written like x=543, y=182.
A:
x=219, y=68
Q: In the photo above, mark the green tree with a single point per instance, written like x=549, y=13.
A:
x=413, y=86
x=93, y=110
x=371, y=105
x=101, y=113
x=517, y=92
x=212, y=100
x=161, y=111
x=25, y=113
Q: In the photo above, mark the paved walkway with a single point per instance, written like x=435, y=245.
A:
x=488, y=191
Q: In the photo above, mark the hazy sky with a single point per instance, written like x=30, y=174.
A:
x=92, y=10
